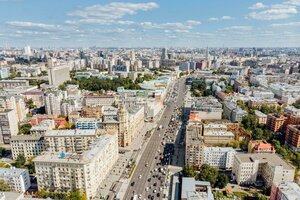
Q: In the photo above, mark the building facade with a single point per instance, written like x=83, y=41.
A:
x=8, y=125
x=18, y=179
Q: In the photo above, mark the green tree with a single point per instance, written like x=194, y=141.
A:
x=30, y=104
x=4, y=187
x=20, y=161
x=76, y=195
x=228, y=89
x=257, y=134
x=222, y=180
x=188, y=171
x=30, y=166
x=2, y=151
x=24, y=129
x=208, y=173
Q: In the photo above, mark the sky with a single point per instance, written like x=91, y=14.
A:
x=154, y=23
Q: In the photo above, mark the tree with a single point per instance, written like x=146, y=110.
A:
x=24, y=129
x=30, y=166
x=77, y=195
x=257, y=134
x=4, y=187
x=188, y=171
x=208, y=173
x=2, y=151
x=222, y=180
x=30, y=104
x=20, y=161
x=228, y=89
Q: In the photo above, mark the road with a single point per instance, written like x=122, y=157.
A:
x=139, y=180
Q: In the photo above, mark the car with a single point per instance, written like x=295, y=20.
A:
x=155, y=184
x=154, y=191
x=149, y=179
x=160, y=188
x=140, y=176
x=147, y=189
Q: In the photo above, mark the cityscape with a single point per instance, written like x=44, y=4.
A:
x=164, y=100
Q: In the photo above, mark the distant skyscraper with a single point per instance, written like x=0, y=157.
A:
x=207, y=54
x=27, y=51
x=164, y=54
x=132, y=56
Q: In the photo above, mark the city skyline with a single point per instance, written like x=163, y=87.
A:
x=157, y=23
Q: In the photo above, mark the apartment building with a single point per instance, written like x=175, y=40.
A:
x=13, y=83
x=87, y=123
x=8, y=125
x=292, y=110
x=272, y=169
x=217, y=134
x=69, y=140
x=285, y=191
x=18, y=179
x=220, y=157
x=261, y=117
x=99, y=100
x=233, y=112
x=65, y=172
x=275, y=123
x=27, y=145
x=292, y=137
x=194, y=145
x=207, y=108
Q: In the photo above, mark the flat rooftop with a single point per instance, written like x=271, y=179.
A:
x=11, y=172
x=73, y=132
x=272, y=159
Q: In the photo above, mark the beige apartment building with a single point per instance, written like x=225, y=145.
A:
x=69, y=140
x=217, y=134
x=59, y=171
x=273, y=169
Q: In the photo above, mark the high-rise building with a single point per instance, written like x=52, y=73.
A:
x=52, y=103
x=27, y=51
x=164, y=54
x=57, y=74
x=8, y=125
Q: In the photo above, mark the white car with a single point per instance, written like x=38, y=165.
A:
x=154, y=191
x=140, y=176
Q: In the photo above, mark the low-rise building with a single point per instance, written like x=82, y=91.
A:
x=27, y=145
x=99, y=100
x=220, y=157
x=273, y=169
x=63, y=172
x=18, y=179
x=259, y=146
x=285, y=191
x=206, y=108
x=292, y=110
x=192, y=189
x=233, y=112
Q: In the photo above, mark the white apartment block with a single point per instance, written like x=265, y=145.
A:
x=58, y=74
x=99, y=100
x=28, y=145
x=220, y=157
x=69, y=140
x=8, y=125
x=70, y=171
x=18, y=179
x=52, y=104
x=273, y=170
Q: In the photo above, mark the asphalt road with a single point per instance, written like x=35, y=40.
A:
x=150, y=157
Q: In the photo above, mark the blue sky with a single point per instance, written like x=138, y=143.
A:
x=168, y=23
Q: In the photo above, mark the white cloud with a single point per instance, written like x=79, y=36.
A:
x=293, y=2
x=227, y=18
x=172, y=26
x=98, y=21
x=33, y=25
x=114, y=10
x=258, y=5
x=238, y=28
x=286, y=24
x=274, y=12
x=213, y=19
x=221, y=18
